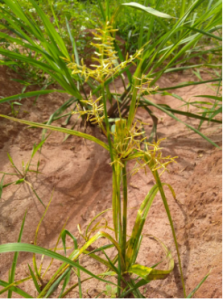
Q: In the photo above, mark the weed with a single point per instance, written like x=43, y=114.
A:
x=23, y=174
x=125, y=136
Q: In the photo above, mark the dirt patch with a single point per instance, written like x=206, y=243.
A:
x=75, y=171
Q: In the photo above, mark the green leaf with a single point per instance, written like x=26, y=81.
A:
x=29, y=94
x=23, y=247
x=63, y=237
x=66, y=281
x=15, y=289
x=73, y=43
x=174, y=117
x=34, y=279
x=149, y=10
x=165, y=203
x=198, y=286
x=36, y=148
x=190, y=115
x=190, y=83
x=54, y=286
x=14, y=262
x=64, y=130
x=20, y=181
x=210, y=97
x=38, y=197
x=1, y=185
x=205, y=33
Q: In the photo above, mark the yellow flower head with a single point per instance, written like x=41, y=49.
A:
x=153, y=157
x=94, y=111
x=105, y=56
x=126, y=140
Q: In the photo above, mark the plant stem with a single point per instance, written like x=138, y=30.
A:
x=124, y=217
x=116, y=188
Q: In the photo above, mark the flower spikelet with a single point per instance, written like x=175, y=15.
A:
x=144, y=85
x=106, y=61
x=94, y=111
x=153, y=157
x=126, y=140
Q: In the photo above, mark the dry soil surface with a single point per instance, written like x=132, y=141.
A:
x=79, y=175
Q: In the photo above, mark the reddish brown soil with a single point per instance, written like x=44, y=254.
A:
x=80, y=175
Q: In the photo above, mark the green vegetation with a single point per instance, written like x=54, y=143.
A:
x=47, y=39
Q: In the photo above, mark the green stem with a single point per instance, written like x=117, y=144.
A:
x=107, y=125
x=116, y=186
x=132, y=108
x=124, y=218
x=79, y=281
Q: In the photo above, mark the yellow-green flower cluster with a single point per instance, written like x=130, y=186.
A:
x=125, y=140
x=144, y=85
x=128, y=145
x=106, y=59
x=153, y=157
x=93, y=110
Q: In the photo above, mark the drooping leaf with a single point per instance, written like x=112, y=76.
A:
x=64, y=130
x=149, y=10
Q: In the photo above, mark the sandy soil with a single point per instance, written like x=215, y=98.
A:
x=80, y=175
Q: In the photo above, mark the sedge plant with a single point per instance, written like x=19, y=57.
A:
x=22, y=174
x=125, y=141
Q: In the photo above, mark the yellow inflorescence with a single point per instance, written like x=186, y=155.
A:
x=126, y=141
x=94, y=111
x=144, y=85
x=154, y=158
x=107, y=61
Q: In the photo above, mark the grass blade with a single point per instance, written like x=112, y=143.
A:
x=174, y=117
x=54, y=286
x=23, y=247
x=34, y=279
x=149, y=10
x=160, y=186
x=66, y=281
x=64, y=130
x=14, y=262
x=29, y=94
x=198, y=286
x=63, y=237
x=1, y=185
x=15, y=289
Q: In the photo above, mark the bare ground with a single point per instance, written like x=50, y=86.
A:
x=80, y=175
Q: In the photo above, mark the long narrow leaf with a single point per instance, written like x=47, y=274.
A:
x=15, y=289
x=29, y=94
x=174, y=117
x=149, y=10
x=55, y=128
x=198, y=286
x=14, y=262
x=22, y=247
x=34, y=279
